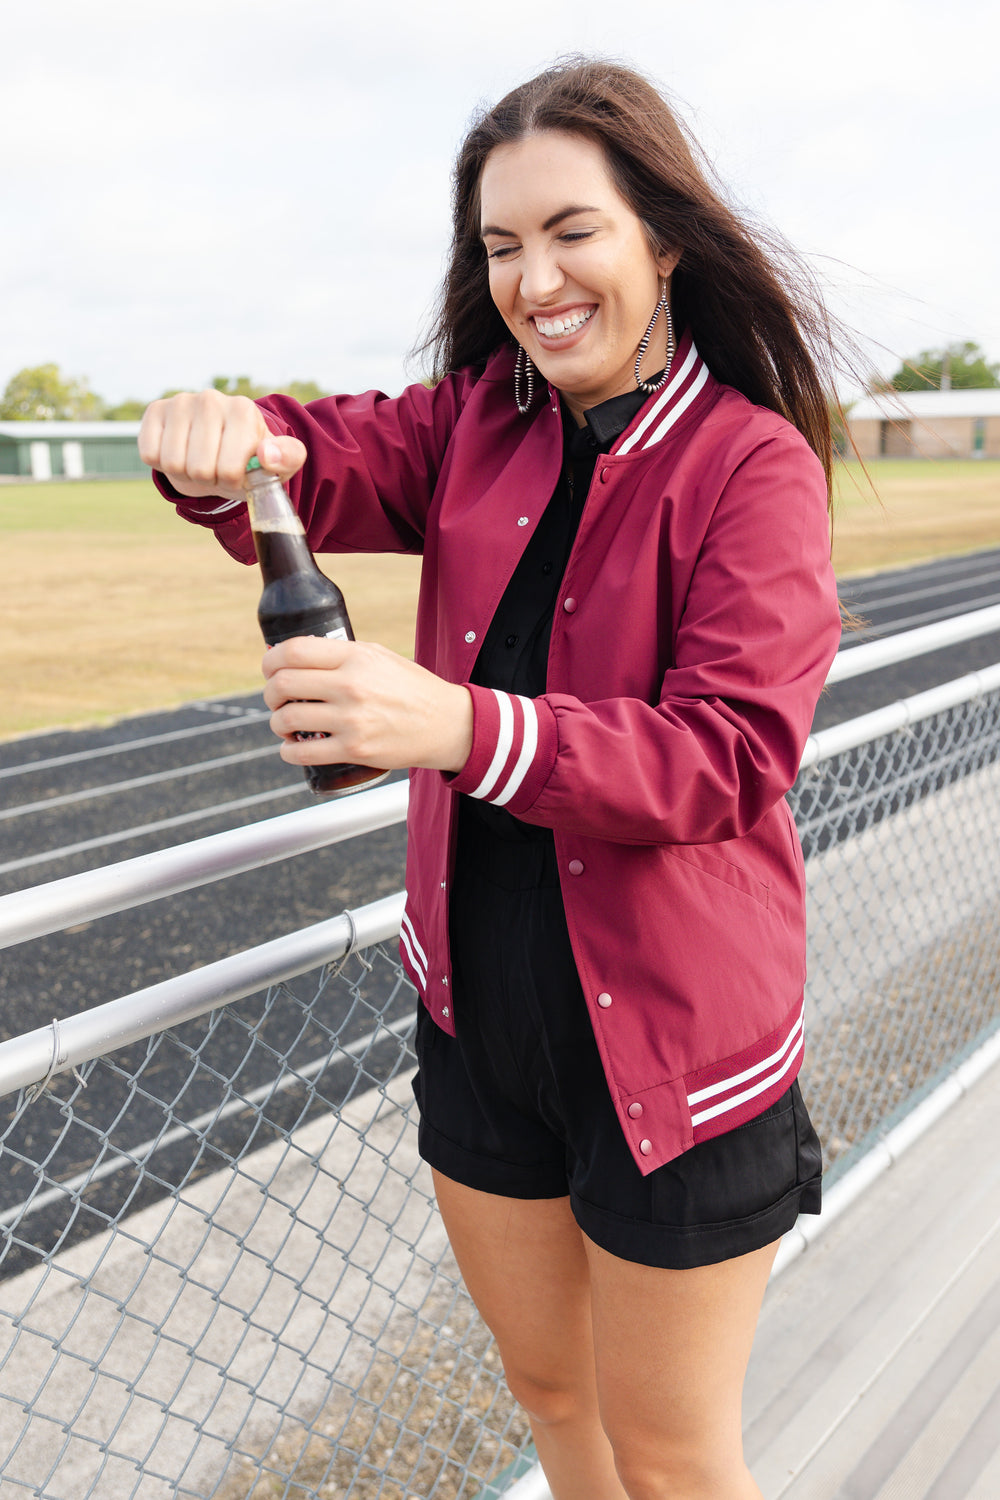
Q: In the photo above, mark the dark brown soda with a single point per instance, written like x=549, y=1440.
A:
x=300, y=600
x=296, y=601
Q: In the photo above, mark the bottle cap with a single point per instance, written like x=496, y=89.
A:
x=253, y=464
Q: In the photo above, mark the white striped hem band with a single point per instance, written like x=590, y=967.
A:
x=409, y=940
x=774, y=1067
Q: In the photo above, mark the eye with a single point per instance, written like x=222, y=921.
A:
x=500, y=252
x=576, y=234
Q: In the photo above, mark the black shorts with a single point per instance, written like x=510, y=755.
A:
x=518, y=1104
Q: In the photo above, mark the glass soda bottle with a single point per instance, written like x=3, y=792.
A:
x=298, y=600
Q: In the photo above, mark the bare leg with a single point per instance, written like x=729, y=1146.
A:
x=671, y=1355
x=525, y=1265
x=631, y=1376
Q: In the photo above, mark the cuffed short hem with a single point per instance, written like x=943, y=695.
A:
x=677, y=1248
x=488, y=1174
x=671, y=1247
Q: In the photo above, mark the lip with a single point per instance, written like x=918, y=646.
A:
x=563, y=340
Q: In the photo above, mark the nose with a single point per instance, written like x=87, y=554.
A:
x=541, y=276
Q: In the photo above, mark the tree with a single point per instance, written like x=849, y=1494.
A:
x=303, y=390
x=964, y=364
x=40, y=393
x=242, y=385
x=238, y=385
x=126, y=411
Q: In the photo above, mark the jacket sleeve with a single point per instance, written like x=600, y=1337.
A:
x=370, y=474
x=756, y=631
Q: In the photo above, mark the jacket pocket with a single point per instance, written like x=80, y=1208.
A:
x=720, y=869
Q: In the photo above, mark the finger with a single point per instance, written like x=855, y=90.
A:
x=150, y=434
x=287, y=687
x=243, y=428
x=322, y=751
x=303, y=718
x=223, y=434
x=177, y=417
x=305, y=653
x=283, y=456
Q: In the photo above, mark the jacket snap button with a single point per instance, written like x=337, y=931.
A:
x=575, y=867
x=445, y=1011
x=635, y=1110
x=604, y=1000
x=522, y=520
x=604, y=475
x=569, y=605
x=470, y=636
x=646, y=1147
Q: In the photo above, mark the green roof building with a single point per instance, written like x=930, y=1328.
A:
x=69, y=450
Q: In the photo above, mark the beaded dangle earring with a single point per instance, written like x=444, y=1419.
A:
x=524, y=374
x=647, y=385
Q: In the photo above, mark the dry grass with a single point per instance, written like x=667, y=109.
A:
x=922, y=510
x=112, y=605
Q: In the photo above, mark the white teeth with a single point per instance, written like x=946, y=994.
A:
x=554, y=328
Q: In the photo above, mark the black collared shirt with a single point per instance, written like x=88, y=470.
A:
x=514, y=655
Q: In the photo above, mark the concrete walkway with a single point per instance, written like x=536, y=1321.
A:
x=876, y=1371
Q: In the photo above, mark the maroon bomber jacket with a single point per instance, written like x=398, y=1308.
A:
x=692, y=635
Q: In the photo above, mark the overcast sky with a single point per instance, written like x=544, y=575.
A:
x=202, y=187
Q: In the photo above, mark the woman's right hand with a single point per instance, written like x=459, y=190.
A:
x=203, y=440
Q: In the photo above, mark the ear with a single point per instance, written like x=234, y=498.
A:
x=666, y=262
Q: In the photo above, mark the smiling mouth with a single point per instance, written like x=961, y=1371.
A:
x=560, y=328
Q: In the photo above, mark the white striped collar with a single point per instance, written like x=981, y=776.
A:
x=688, y=375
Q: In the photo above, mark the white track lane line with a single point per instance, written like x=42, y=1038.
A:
x=111, y=788
x=26, y=767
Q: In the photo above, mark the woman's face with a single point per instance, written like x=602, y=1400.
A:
x=571, y=270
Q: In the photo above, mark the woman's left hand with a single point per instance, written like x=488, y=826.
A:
x=377, y=708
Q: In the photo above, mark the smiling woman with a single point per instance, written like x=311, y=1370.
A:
x=574, y=284
x=618, y=485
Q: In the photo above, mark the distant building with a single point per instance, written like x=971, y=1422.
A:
x=927, y=424
x=69, y=450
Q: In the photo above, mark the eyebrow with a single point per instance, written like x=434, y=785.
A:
x=550, y=223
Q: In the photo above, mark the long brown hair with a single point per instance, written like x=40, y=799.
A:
x=750, y=304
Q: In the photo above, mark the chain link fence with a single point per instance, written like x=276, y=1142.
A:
x=903, y=879
x=221, y=1271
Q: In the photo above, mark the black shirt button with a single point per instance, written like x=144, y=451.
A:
x=511, y=640
x=546, y=569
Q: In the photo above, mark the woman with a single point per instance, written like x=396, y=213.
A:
x=619, y=487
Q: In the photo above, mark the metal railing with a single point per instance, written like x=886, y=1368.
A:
x=223, y=1274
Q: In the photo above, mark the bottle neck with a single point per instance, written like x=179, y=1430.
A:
x=269, y=506
x=278, y=533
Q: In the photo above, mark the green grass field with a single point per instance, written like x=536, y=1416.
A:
x=113, y=605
